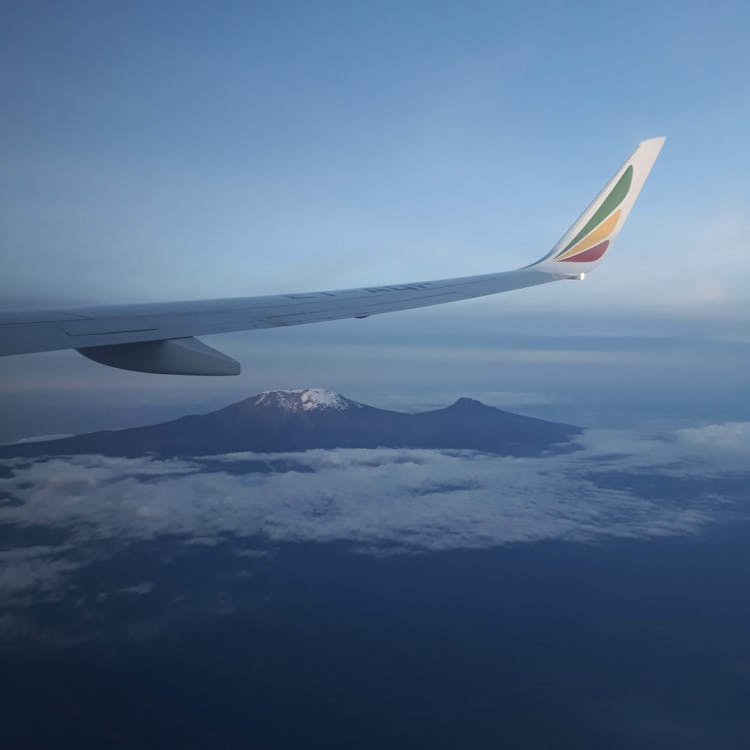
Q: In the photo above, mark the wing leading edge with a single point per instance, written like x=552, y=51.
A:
x=161, y=337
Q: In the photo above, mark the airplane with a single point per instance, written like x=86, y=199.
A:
x=161, y=337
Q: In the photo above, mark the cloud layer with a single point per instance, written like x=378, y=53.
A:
x=60, y=515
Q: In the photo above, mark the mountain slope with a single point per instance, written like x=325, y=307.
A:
x=315, y=418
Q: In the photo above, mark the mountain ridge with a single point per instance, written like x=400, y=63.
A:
x=303, y=419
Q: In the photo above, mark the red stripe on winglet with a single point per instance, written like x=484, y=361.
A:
x=587, y=256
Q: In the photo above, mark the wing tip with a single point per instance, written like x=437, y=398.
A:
x=647, y=151
x=589, y=238
x=657, y=139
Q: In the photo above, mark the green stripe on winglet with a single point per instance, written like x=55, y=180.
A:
x=611, y=202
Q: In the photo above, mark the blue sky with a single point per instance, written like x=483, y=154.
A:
x=188, y=150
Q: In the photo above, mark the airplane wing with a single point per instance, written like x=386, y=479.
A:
x=160, y=337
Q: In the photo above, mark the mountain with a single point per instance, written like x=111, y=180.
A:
x=314, y=418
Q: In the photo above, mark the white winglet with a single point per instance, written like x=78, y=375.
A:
x=583, y=246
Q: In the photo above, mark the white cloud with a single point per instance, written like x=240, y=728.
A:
x=139, y=589
x=382, y=501
x=42, y=438
x=693, y=451
x=721, y=439
x=37, y=568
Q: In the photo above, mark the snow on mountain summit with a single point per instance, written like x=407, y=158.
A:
x=305, y=399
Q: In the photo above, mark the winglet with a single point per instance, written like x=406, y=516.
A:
x=583, y=246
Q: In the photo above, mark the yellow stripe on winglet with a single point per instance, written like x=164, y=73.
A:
x=600, y=233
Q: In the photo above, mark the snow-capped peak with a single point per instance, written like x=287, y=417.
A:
x=305, y=399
